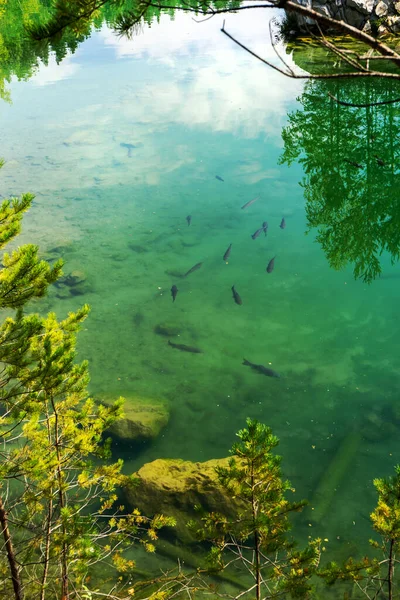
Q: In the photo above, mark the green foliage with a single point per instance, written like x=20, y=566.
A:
x=354, y=210
x=127, y=19
x=77, y=17
x=256, y=540
x=23, y=275
x=386, y=516
x=288, y=27
x=20, y=53
x=374, y=576
x=31, y=29
x=59, y=514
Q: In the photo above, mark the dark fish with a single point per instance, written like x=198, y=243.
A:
x=283, y=224
x=189, y=219
x=185, y=348
x=174, y=291
x=353, y=164
x=228, y=252
x=197, y=266
x=257, y=233
x=261, y=369
x=380, y=162
x=129, y=146
x=265, y=228
x=219, y=178
x=271, y=265
x=236, y=296
x=250, y=202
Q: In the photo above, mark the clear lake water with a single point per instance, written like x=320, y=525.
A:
x=193, y=106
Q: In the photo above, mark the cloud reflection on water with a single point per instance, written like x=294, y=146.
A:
x=53, y=72
x=232, y=91
x=175, y=81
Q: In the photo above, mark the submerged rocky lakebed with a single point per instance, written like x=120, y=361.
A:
x=116, y=170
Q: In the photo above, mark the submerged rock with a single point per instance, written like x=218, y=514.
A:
x=73, y=284
x=63, y=294
x=72, y=279
x=75, y=278
x=144, y=418
x=60, y=250
x=176, y=487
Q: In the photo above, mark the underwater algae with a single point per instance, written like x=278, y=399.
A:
x=122, y=220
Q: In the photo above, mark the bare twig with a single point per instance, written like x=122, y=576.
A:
x=353, y=31
x=362, y=105
x=338, y=51
x=273, y=44
x=292, y=75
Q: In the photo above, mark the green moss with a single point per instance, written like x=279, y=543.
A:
x=176, y=487
x=143, y=418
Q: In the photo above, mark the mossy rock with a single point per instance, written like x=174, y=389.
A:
x=144, y=419
x=176, y=487
x=75, y=278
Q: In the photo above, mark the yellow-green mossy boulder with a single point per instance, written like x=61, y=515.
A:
x=174, y=487
x=143, y=419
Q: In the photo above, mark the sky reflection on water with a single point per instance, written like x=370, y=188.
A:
x=196, y=106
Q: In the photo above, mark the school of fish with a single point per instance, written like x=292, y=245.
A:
x=235, y=295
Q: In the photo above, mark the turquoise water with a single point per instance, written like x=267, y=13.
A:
x=195, y=107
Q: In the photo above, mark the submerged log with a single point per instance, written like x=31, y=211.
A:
x=334, y=474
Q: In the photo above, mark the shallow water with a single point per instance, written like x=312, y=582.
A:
x=195, y=107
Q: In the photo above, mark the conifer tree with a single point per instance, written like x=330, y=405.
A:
x=375, y=577
x=57, y=488
x=256, y=540
x=22, y=277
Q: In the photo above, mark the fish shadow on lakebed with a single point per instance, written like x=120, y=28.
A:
x=184, y=275
x=173, y=329
x=185, y=348
x=138, y=248
x=157, y=369
x=175, y=274
x=138, y=318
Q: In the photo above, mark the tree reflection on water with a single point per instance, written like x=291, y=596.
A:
x=351, y=181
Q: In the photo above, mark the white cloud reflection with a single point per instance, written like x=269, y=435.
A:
x=230, y=91
x=53, y=72
x=177, y=90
